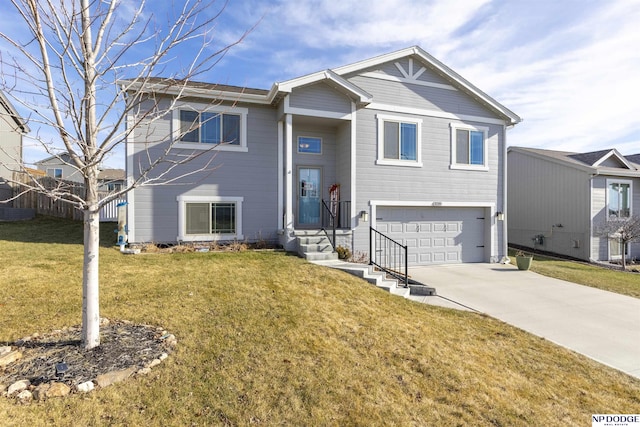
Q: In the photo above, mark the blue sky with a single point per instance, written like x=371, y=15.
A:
x=570, y=68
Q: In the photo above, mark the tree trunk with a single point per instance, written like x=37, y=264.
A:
x=91, y=279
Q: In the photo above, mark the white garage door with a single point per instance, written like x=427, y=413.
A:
x=435, y=235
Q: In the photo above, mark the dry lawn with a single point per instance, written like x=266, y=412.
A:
x=266, y=338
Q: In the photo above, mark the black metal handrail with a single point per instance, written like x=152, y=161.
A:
x=336, y=214
x=329, y=221
x=389, y=256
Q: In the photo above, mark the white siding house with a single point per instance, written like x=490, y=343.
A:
x=399, y=142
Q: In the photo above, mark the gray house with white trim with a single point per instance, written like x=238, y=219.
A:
x=399, y=142
x=558, y=199
x=12, y=130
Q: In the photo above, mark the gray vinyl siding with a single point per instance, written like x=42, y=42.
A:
x=435, y=181
x=69, y=173
x=421, y=97
x=10, y=152
x=599, y=247
x=343, y=160
x=390, y=69
x=321, y=97
x=252, y=175
x=541, y=194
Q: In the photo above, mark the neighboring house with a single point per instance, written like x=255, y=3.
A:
x=61, y=167
x=111, y=179
x=12, y=130
x=400, y=142
x=557, y=200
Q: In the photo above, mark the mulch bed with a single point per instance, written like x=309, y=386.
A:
x=122, y=345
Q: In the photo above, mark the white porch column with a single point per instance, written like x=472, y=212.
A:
x=289, y=199
x=280, y=213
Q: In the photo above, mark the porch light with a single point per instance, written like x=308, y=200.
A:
x=364, y=216
x=500, y=216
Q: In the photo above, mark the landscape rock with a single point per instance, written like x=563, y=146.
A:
x=109, y=378
x=9, y=357
x=153, y=363
x=85, y=387
x=18, y=386
x=40, y=392
x=24, y=395
x=4, y=350
x=144, y=371
x=58, y=390
x=163, y=356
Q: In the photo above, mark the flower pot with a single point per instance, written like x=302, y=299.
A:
x=523, y=262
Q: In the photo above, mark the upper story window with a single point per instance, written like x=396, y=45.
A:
x=399, y=141
x=55, y=172
x=197, y=126
x=468, y=147
x=618, y=199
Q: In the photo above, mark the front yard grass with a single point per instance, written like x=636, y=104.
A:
x=625, y=283
x=267, y=338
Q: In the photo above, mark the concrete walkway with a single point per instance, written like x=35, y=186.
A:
x=598, y=324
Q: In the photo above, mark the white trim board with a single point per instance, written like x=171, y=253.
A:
x=433, y=113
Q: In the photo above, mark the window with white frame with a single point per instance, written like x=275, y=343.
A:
x=468, y=147
x=203, y=218
x=55, y=172
x=224, y=127
x=399, y=141
x=619, y=194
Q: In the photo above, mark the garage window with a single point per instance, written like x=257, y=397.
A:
x=399, y=141
x=468, y=147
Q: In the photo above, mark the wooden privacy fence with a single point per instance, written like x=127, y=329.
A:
x=45, y=205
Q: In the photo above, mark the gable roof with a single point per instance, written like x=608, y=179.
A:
x=333, y=77
x=596, y=158
x=446, y=72
x=590, y=162
x=11, y=111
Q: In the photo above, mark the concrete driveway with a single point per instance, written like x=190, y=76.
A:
x=601, y=325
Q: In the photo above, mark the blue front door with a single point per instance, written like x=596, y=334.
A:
x=309, y=196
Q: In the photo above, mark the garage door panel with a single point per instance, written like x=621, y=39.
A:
x=425, y=242
x=436, y=235
x=439, y=242
x=396, y=227
x=411, y=243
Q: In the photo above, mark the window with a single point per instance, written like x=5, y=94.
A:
x=309, y=145
x=618, y=199
x=55, y=172
x=224, y=127
x=399, y=141
x=114, y=186
x=468, y=147
x=203, y=218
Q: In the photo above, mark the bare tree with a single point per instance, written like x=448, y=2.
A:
x=73, y=65
x=622, y=231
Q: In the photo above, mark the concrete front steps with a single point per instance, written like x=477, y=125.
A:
x=367, y=273
x=314, y=245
